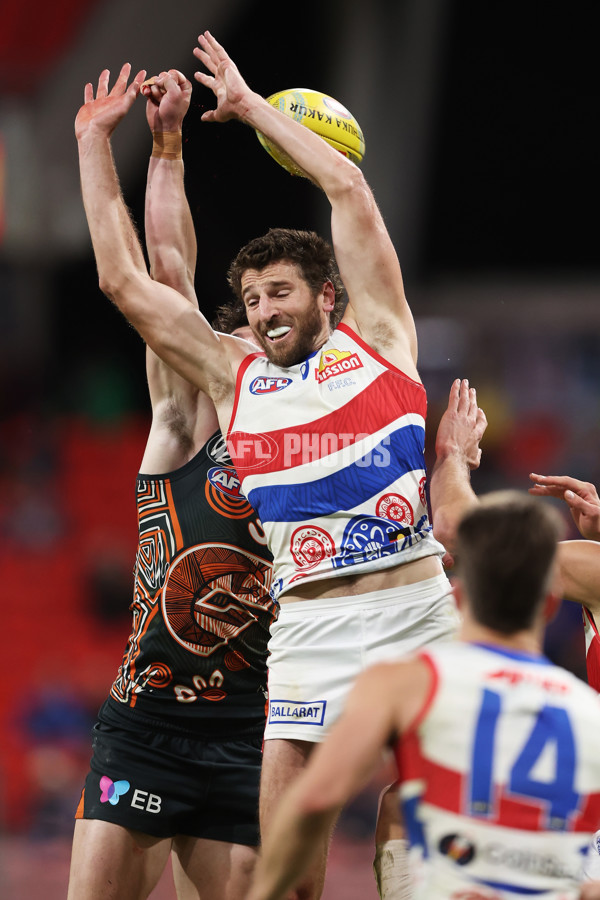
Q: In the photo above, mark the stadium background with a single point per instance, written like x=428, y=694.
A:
x=481, y=131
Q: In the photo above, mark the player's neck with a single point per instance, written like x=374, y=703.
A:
x=526, y=641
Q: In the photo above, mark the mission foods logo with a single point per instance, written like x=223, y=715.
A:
x=336, y=362
x=263, y=385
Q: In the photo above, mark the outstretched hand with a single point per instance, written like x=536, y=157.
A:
x=103, y=112
x=168, y=98
x=580, y=496
x=225, y=82
x=462, y=426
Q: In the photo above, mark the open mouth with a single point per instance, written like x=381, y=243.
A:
x=277, y=334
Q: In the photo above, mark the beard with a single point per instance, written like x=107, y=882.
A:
x=307, y=327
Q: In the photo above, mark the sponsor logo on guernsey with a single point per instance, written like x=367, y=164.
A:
x=225, y=480
x=458, y=848
x=264, y=385
x=544, y=864
x=516, y=677
x=296, y=712
x=336, y=362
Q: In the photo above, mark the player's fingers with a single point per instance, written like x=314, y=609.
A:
x=207, y=80
x=213, y=43
x=481, y=421
x=177, y=76
x=463, y=397
x=586, y=507
x=453, y=396
x=102, y=90
x=88, y=93
x=120, y=84
x=473, y=403
x=566, y=482
x=205, y=59
x=136, y=84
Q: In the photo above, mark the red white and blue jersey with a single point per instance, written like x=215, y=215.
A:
x=330, y=453
x=592, y=649
x=500, y=777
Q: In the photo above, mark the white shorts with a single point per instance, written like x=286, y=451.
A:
x=319, y=647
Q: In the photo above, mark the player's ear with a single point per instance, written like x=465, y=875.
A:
x=328, y=296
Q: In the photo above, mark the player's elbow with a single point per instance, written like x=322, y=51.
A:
x=120, y=286
x=348, y=181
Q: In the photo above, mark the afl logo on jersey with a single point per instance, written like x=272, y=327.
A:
x=263, y=385
x=224, y=496
x=225, y=480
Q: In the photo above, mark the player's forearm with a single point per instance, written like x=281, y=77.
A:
x=288, y=852
x=324, y=165
x=117, y=249
x=170, y=235
x=451, y=495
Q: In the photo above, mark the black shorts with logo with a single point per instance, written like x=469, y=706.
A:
x=165, y=784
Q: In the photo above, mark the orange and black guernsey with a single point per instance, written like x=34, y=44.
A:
x=196, y=656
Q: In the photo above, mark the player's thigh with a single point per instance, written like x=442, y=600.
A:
x=212, y=870
x=283, y=760
x=109, y=862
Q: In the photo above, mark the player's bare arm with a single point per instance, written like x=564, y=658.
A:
x=364, y=252
x=183, y=417
x=579, y=573
x=168, y=323
x=170, y=234
x=458, y=452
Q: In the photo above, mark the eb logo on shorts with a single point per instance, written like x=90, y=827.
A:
x=296, y=713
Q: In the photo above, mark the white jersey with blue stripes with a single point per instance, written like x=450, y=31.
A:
x=500, y=777
x=330, y=453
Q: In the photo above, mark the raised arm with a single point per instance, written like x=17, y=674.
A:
x=170, y=234
x=168, y=322
x=183, y=417
x=365, y=255
x=457, y=450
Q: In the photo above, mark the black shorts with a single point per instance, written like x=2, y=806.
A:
x=169, y=784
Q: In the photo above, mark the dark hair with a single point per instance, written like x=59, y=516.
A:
x=306, y=249
x=505, y=550
x=229, y=317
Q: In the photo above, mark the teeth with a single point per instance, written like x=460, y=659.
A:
x=278, y=332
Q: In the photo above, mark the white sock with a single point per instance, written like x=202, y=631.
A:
x=392, y=874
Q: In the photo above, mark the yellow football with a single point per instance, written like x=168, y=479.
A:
x=323, y=115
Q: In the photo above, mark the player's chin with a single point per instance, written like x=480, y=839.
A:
x=282, y=355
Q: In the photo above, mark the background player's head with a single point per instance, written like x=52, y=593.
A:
x=506, y=547
x=308, y=259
